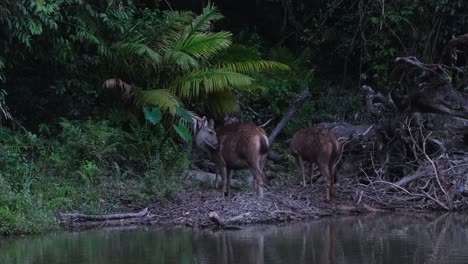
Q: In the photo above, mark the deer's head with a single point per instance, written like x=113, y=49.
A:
x=206, y=138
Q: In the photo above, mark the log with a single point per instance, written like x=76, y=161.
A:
x=87, y=217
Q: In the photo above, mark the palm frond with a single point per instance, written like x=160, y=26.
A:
x=201, y=23
x=208, y=81
x=204, y=45
x=176, y=22
x=161, y=98
x=136, y=49
x=223, y=102
x=250, y=67
x=183, y=59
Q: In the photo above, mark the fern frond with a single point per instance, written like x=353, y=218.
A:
x=301, y=119
x=161, y=98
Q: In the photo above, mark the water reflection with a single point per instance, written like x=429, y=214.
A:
x=370, y=239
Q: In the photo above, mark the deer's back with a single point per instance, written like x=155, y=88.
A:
x=314, y=142
x=241, y=143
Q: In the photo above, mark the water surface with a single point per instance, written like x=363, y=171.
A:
x=358, y=239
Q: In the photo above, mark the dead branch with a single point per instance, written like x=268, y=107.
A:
x=299, y=99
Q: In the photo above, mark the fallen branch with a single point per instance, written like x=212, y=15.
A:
x=86, y=217
x=223, y=224
x=421, y=172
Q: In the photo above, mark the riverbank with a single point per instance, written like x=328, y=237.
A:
x=202, y=207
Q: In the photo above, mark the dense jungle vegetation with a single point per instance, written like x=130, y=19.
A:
x=96, y=96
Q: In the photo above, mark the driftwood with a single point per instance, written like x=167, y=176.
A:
x=87, y=217
x=226, y=223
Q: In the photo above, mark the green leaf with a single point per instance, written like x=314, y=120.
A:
x=184, y=114
x=183, y=131
x=153, y=116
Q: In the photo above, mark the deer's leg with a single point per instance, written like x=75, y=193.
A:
x=311, y=172
x=300, y=165
x=223, y=171
x=333, y=170
x=258, y=176
x=216, y=178
x=262, y=167
x=229, y=176
x=325, y=172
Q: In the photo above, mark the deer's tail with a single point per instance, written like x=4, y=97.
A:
x=264, y=146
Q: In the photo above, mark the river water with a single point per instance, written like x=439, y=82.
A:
x=391, y=238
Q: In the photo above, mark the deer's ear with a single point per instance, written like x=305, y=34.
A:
x=204, y=121
x=211, y=125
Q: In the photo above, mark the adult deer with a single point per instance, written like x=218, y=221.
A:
x=235, y=146
x=317, y=145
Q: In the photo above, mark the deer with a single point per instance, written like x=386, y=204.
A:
x=317, y=145
x=235, y=146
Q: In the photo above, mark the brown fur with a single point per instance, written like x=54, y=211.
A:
x=320, y=146
x=240, y=146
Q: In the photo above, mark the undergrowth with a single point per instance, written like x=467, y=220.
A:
x=89, y=167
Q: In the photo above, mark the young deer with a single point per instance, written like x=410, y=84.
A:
x=235, y=146
x=320, y=146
